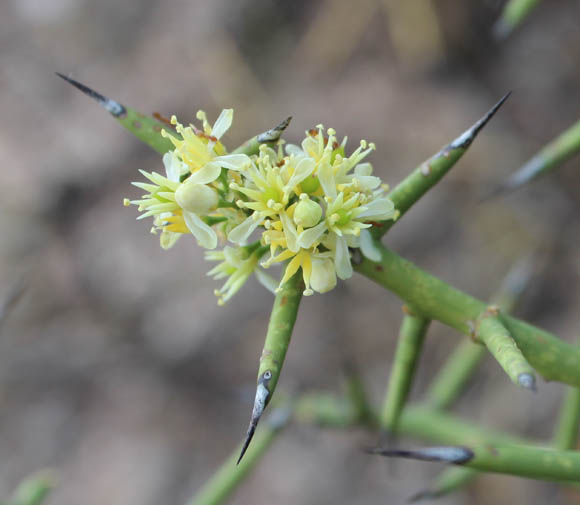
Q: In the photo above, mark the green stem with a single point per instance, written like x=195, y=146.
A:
x=147, y=129
x=33, y=490
x=554, y=154
x=554, y=359
x=514, y=12
x=501, y=345
x=227, y=478
x=356, y=393
x=454, y=374
x=442, y=428
x=459, y=367
x=566, y=435
x=325, y=409
x=409, y=345
x=520, y=460
x=431, y=171
x=282, y=319
x=525, y=461
x=448, y=481
x=280, y=328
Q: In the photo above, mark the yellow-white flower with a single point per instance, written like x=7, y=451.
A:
x=269, y=184
x=236, y=264
x=180, y=201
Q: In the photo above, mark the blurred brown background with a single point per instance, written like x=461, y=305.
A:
x=117, y=367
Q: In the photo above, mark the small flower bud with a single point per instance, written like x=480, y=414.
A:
x=307, y=213
x=196, y=198
x=323, y=276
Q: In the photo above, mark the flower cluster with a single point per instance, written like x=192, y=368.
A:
x=306, y=205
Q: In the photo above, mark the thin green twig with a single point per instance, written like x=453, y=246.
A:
x=282, y=319
x=431, y=171
x=513, y=14
x=559, y=150
x=491, y=331
x=227, y=478
x=553, y=358
x=409, y=345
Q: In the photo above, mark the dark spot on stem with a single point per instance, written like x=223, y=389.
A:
x=137, y=124
x=379, y=268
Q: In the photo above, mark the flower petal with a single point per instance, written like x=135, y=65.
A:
x=363, y=169
x=342, y=259
x=294, y=150
x=233, y=161
x=168, y=239
x=223, y=123
x=208, y=173
x=241, y=232
x=266, y=280
x=327, y=180
x=381, y=208
x=174, y=167
x=303, y=169
x=290, y=232
x=205, y=235
x=368, y=246
x=308, y=237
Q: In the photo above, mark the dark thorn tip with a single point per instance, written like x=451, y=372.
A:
x=113, y=107
x=274, y=133
x=247, y=440
x=468, y=136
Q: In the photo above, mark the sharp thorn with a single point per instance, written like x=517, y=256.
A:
x=248, y=439
x=113, y=107
x=262, y=394
x=468, y=136
x=447, y=454
x=528, y=381
x=275, y=133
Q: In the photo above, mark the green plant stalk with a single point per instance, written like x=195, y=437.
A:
x=280, y=328
x=454, y=374
x=282, y=319
x=520, y=460
x=326, y=409
x=551, y=156
x=409, y=345
x=426, y=424
x=431, y=171
x=33, y=490
x=526, y=461
x=418, y=421
x=227, y=478
x=448, y=481
x=450, y=380
x=554, y=359
x=148, y=129
x=566, y=434
x=355, y=391
x=514, y=12
x=501, y=345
